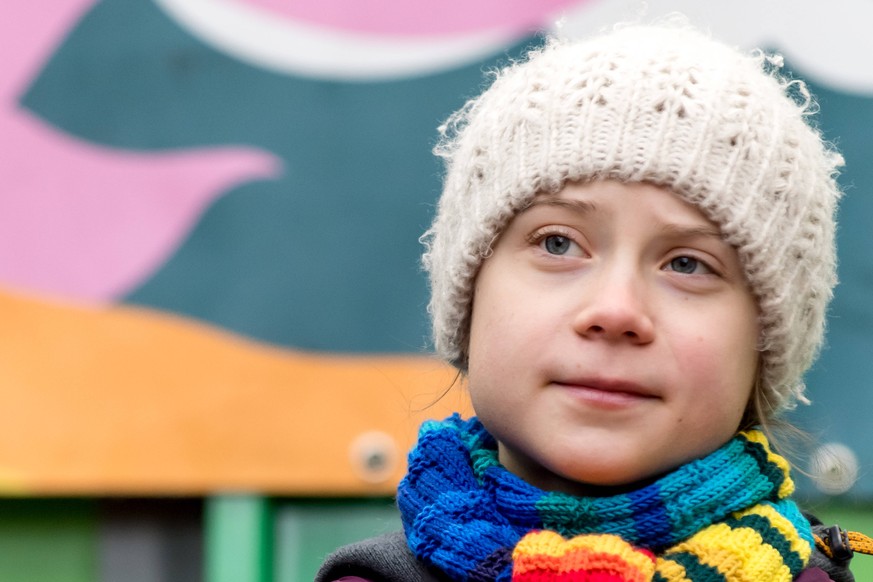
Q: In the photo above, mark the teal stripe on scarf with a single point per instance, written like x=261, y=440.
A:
x=695, y=569
x=742, y=482
x=773, y=473
x=790, y=511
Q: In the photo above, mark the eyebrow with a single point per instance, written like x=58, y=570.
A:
x=583, y=207
x=681, y=230
x=577, y=206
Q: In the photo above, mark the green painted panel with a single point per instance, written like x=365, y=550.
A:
x=238, y=539
x=307, y=531
x=48, y=540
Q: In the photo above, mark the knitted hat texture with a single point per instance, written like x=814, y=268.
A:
x=666, y=105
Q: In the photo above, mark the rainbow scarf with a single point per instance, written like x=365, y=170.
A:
x=726, y=517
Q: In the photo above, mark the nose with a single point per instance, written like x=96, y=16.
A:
x=615, y=309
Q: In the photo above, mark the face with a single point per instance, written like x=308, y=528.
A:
x=612, y=338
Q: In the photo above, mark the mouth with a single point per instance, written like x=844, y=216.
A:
x=607, y=393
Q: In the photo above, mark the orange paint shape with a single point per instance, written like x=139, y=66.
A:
x=124, y=400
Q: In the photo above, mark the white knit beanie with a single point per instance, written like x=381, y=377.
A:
x=665, y=105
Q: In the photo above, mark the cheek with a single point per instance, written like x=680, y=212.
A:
x=724, y=337
x=702, y=364
x=500, y=358
x=742, y=338
x=486, y=328
x=495, y=345
x=495, y=322
x=722, y=366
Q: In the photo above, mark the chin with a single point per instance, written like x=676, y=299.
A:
x=605, y=480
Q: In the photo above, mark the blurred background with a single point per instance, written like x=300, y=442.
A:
x=213, y=338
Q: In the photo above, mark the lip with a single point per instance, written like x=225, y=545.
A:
x=607, y=393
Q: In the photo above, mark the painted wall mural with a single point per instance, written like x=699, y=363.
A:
x=209, y=213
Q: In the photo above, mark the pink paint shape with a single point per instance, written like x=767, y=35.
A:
x=88, y=222
x=30, y=32
x=84, y=221
x=433, y=18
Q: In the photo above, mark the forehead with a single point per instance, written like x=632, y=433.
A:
x=612, y=198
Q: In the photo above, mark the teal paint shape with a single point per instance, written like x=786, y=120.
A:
x=326, y=257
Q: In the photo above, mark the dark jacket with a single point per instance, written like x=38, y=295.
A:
x=387, y=558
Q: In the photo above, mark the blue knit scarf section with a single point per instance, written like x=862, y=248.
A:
x=463, y=512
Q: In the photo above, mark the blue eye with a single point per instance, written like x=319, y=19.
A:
x=556, y=244
x=687, y=265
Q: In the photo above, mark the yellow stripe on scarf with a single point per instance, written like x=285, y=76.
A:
x=784, y=526
x=740, y=554
x=672, y=571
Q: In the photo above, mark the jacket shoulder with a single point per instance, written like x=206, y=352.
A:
x=385, y=558
x=837, y=570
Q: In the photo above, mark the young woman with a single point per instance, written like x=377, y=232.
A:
x=630, y=263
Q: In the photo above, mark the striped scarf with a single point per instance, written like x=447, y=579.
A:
x=726, y=517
